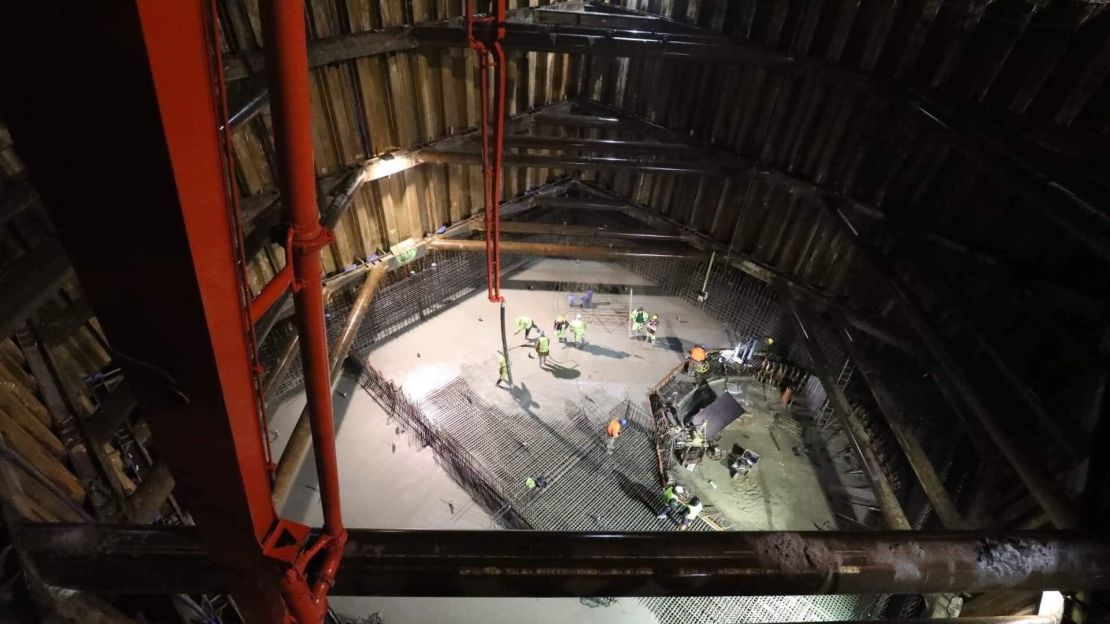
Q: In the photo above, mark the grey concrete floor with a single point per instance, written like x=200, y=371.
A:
x=387, y=481
x=782, y=492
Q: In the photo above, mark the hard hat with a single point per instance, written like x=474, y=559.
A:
x=678, y=489
x=578, y=317
x=654, y=317
x=770, y=340
x=624, y=421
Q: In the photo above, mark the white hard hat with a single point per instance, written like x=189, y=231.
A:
x=578, y=317
x=678, y=489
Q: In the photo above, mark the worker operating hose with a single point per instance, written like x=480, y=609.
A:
x=525, y=324
x=578, y=329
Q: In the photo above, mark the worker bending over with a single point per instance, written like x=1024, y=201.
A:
x=578, y=328
x=652, y=328
x=672, y=500
x=612, y=432
x=697, y=359
x=693, y=508
x=639, y=319
x=526, y=325
x=765, y=348
x=561, y=326
x=543, y=348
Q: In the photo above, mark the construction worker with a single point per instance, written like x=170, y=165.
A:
x=693, y=508
x=502, y=370
x=561, y=326
x=578, y=328
x=652, y=328
x=765, y=348
x=525, y=324
x=543, y=348
x=638, y=319
x=697, y=358
x=612, y=432
x=671, y=500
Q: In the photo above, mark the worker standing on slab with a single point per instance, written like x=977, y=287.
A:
x=693, y=508
x=561, y=326
x=578, y=328
x=612, y=432
x=502, y=370
x=652, y=328
x=543, y=348
x=638, y=318
x=525, y=324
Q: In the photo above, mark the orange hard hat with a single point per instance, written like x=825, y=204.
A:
x=697, y=354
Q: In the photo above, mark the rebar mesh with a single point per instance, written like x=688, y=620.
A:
x=491, y=452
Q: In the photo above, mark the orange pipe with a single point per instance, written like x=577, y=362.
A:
x=287, y=69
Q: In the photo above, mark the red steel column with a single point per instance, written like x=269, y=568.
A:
x=287, y=70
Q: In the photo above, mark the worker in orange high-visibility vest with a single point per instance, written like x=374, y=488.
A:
x=612, y=432
x=697, y=357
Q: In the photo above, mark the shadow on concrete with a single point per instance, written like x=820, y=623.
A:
x=563, y=372
x=637, y=491
x=594, y=349
x=672, y=343
x=523, y=397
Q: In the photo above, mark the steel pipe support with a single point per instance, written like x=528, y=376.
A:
x=529, y=563
x=551, y=250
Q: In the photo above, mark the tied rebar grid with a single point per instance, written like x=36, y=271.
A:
x=451, y=453
x=587, y=489
x=490, y=452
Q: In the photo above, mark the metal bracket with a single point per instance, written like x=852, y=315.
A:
x=285, y=541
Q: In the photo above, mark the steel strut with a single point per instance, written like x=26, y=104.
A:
x=489, y=44
x=287, y=73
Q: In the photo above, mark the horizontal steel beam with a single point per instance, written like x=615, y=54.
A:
x=522, y=227
x=109, y=558
x=595, y=163
x=551, y=250
x=614, y=146
x=762, y=272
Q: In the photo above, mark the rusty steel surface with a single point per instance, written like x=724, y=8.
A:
x=533, y=563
